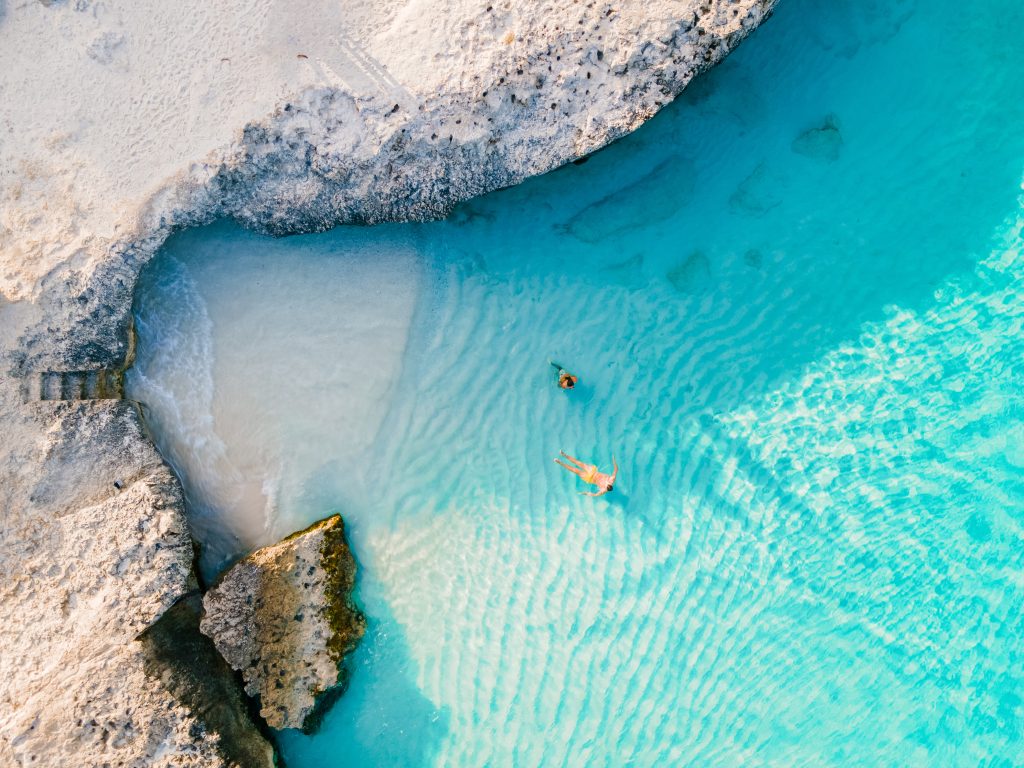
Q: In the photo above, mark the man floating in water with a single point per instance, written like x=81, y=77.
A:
x=589, y=474
x=565, y=379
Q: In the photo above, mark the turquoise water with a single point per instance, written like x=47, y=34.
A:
x=794, y=301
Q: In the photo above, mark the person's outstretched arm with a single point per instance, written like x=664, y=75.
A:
x=593, y=494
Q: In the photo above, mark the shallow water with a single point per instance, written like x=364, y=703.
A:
x=795, y=306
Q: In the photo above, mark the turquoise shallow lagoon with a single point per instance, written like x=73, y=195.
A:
x=795, y=303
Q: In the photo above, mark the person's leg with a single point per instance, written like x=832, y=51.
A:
x=577, y=462
x=559, y=370
x=574, y=470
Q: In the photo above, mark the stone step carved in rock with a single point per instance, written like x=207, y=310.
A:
x=100, y=384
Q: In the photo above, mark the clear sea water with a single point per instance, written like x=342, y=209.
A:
x=795, y=303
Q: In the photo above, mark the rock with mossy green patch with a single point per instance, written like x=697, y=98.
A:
x=284, y=618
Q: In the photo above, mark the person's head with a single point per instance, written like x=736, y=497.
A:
x=609, y=486
x=568, y=381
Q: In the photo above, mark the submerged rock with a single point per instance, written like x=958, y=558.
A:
x=284, y=618
x=619, y=212
x=823, y=142
x=691, y=274
x=757, y=194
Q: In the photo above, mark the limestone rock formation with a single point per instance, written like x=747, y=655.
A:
x=284, y=617
x=94, y=549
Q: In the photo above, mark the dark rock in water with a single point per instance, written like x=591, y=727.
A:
x=642, y=202
x=187, y=664
x=851, y=24
x=690, y=274
x=284, y=618
x=822, y=143
x=756, y=194
x=626, y=272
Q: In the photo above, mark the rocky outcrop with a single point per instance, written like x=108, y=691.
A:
x=284, y=618
x=94, y=550
x=522, y=89
x=185, y=663
x=147, y=117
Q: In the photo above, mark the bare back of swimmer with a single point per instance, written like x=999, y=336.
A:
x=589, y=474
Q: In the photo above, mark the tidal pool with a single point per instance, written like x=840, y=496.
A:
x=794, y=301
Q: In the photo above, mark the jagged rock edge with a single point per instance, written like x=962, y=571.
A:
x=290, y=191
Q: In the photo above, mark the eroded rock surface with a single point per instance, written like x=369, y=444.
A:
x=284, y=618
x=184, y=662
x=94, y=549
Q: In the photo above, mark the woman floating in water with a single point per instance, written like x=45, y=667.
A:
x=589, y=474
x=565, y=379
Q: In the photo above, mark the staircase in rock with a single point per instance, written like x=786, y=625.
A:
x=100, y=384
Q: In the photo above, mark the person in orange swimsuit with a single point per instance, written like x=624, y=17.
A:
x=566, y=380
x=589, y=474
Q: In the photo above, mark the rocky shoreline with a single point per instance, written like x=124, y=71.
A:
x=284, y=618
x=94, y=548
